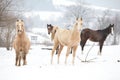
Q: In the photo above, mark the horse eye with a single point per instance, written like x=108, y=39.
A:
x=48, y=27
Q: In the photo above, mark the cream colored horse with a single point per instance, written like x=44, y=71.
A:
x=21, y=43
x=69, y=38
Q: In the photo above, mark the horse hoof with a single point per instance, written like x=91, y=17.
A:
x=118, y=60
x=24, y=64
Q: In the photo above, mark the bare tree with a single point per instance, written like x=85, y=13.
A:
x=8, y=16
x=79, y=10
x=116, y=21
x=104, y=19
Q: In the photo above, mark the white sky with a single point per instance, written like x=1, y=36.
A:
x=112, y=4
x=44, y=15
x=62, y=2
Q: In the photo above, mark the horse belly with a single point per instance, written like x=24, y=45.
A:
x=64, y=40
x=21, y=54
x=94, y=40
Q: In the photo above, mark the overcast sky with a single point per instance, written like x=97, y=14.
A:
x=48, y=5
x=112, y=4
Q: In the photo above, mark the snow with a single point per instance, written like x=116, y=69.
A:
x=104, y=67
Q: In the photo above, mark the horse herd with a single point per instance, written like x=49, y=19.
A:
x=61, y=37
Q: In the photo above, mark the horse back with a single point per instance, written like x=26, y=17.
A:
x=66, y=37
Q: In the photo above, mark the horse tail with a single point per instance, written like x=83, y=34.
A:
x=81, y=38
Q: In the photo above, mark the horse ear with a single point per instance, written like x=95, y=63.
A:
x=81, y=18
x=113, y=24
x=22, y=20
x=77, y=18
x=110, y=25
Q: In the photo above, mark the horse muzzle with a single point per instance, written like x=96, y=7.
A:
x=19, y=30
x=112, y=34
x=48, y=32
x=112, y=31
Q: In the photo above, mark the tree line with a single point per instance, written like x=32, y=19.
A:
x=11, y=10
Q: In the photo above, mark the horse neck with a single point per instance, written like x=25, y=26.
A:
x=76, y=29
x=52, y=36
x=53, y=33
x=106, y=30
x=21, y=36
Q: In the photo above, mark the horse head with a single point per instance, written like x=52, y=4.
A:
x=111, y=29
x=19, y=26
x=79, y=22
x=49, y=28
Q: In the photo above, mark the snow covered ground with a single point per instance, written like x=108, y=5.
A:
x=103, y=67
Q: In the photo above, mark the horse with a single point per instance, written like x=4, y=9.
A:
x=21, y=43
x=50, y=30
x=69, y=38
x=95, y=36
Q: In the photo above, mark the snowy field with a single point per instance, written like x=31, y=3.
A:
x=103, y=67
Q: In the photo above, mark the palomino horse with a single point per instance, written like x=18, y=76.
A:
x=21, y=43
x=69, y=38
x=50, y=30
x=95, y=36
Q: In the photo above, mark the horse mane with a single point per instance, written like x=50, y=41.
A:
x=107, y=29
x=53, y=32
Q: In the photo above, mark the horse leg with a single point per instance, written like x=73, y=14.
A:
x=19, y=60
x=67, y=54
x=59, y=52
x=71, y=51
x=74, y=53
x=24, y=59
x=57, y=49
x=82, y=44
x=101, y=45
x=53, y=50
x=16, y=60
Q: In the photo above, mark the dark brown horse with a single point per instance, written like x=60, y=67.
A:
x=95, y=36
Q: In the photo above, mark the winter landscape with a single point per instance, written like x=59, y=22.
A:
x=36, y=14
x=103, y=67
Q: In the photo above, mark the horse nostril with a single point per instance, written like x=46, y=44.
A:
x=19, y=31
